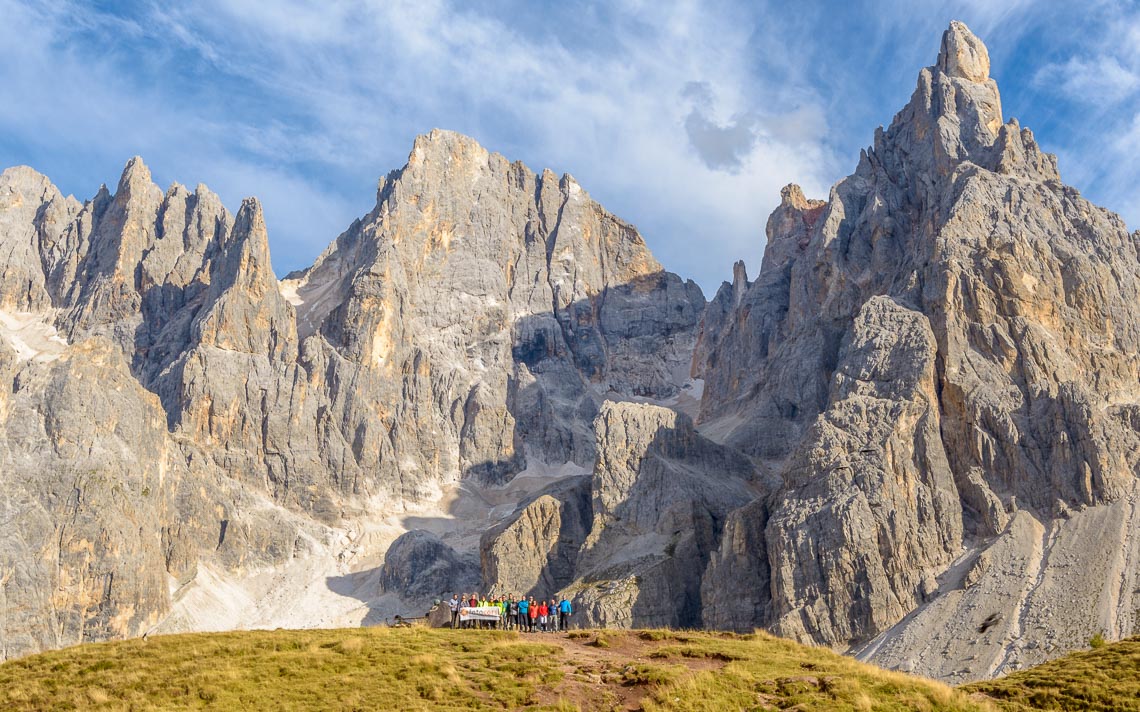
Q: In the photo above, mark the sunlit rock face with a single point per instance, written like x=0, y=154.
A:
x=940, y=365
x=172, y=406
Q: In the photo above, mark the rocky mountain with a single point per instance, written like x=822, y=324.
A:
x=912, y=437
x=933, y=384
x=939, y=364
x=184, y=436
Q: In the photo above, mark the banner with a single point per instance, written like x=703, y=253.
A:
x=482, y=613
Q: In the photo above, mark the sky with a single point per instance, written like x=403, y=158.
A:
x=683, y=117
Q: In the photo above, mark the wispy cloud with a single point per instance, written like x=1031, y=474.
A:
x=684, y=117
x=328, y=94
x=1094, y=80
x=1094, y=85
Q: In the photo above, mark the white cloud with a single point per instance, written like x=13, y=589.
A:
x=306, y=103
x=1098, y=75
x=352, y=83
x=1128, y=143
x=86, y=116
x=1096, y=80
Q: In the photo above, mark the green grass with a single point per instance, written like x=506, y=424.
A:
x=1104, y=678
x=423, y=669
x=368, y=668
x=760, y=672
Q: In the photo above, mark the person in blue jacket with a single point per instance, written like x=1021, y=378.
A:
x=524, y=609
x=564, y=612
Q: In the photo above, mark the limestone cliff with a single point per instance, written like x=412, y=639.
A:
x=181, y=433
x=940, y=362
x=472, y=322
x=628, y=544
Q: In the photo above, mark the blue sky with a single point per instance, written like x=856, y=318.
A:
x=684, y=118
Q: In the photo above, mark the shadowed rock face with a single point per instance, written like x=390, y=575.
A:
x=420, y=565
x=170, y=404
x=535, y=552
x=940, y=361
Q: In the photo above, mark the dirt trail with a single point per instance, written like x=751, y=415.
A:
x=612, y=677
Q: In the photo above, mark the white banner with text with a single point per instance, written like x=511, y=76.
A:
x=481, y=613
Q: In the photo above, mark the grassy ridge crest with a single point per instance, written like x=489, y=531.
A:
x=424, y=669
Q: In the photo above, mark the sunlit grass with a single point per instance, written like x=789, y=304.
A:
x=1104, y=678
x=424, y=669
x=760, y=671
x=367, y=668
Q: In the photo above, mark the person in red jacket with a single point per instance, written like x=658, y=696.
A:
x=532, y=611
x=543, y=613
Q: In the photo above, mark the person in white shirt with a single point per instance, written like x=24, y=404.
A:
x=454, y=604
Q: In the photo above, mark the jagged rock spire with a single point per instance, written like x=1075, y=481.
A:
x=963, y=55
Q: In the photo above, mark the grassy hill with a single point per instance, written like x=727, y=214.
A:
x=1102, y=679
x=424, y=669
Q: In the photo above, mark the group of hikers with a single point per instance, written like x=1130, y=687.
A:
x=515, y=613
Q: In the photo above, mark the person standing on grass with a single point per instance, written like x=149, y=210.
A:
x=524, y=614
x=453, y=604
x=553, y=615
x=564, y=612
x=532, y=611
x=543, y=612
x=512, y=612
x=503, y=612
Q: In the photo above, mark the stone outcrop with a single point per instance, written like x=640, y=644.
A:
x=534, y=552
x=627, y=544
x=419, y=565
x=940, y=362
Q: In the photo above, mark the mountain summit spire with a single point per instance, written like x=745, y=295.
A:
x=963, y=54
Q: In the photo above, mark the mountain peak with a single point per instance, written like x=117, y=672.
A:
x=963, y=54
x=441, y=143
x=135, y=173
